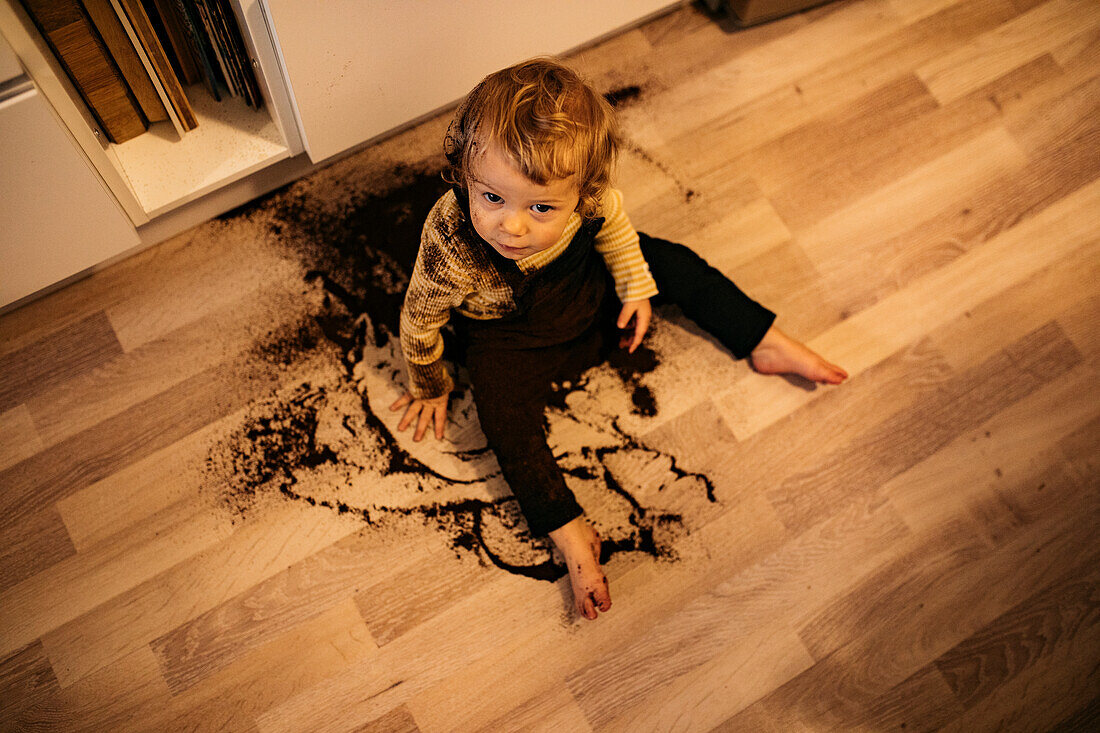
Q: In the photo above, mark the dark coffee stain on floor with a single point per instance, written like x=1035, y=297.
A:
x=275, y=444
x=638, y=150
x=368, y=250
x=623, y=96
x=631, y=368
x=283, y=345
x=359, y=257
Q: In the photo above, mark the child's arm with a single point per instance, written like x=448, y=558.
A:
x=434, y=289
x=617, y=243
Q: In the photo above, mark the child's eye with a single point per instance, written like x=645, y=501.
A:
x=492, y=198
x=543, y=208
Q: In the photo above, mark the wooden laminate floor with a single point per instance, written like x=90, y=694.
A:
x=208, y=523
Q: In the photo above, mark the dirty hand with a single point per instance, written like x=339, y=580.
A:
x=429, y=411
x=640, y=312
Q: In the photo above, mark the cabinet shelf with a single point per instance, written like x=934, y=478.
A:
x=232, y=141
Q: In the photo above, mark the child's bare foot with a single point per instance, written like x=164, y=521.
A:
x=580, y=545
x=778, y=353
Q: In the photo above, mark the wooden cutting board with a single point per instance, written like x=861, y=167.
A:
x=74, y=40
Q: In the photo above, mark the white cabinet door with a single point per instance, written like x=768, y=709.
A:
x=56, y=218
x=358, y=68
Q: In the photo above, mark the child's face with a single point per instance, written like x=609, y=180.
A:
x=516, y=216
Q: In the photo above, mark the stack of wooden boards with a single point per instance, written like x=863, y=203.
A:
x=131, y=59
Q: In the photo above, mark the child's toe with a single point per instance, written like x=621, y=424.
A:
x=602, y=596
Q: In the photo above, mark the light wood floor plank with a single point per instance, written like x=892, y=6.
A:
x=1044, y=649
x=358, y=567
x=287, y=663
x=724, y=685
x=99, y=451
x=751, y=231
x=19, y=439
x=764, y=69
x=80, y=300
x=540, y=641
x=1018, y=41
x=830, y=423
x=1082, y=325
x=158, y=366
x=1080, y=453
x=790, y=282
x=397, y=720
x=973, y=566
x=816, y=147
x=26, y=680
x=756, y=401
x=162, y=483
x=458, y=702
x=753, y=720
x=193, y=281
x=939, y=236
x=1043, y=119
x=37, y=544
x=913, y=10
x=76, y=349
x=856, y=537
x=884, y=158
x=831, y=87
x=83, y=582
x=214, y=572
x=865, y=668
x=688, y=43
x=421, y=585
x=551, y=712
x=1081, y=49
x=368, y=690
x=891, y=209
x=969, y=400
x=102, y=701
x=979, y=465
x=1021, y=309
x=922, y=701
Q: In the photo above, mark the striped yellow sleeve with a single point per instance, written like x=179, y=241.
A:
x=437, y=285
x=617, y=243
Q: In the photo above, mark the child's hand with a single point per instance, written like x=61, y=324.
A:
x=640, y=311
x=433, y=410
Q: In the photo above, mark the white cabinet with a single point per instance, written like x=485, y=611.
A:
x=359, y=68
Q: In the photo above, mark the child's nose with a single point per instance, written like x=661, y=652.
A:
x=514, y=224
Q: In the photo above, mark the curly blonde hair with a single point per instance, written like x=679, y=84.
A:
x=546, y=119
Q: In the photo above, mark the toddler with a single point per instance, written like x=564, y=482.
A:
x=531, y=256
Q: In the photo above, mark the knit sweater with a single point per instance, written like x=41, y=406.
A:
x=453, y=272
